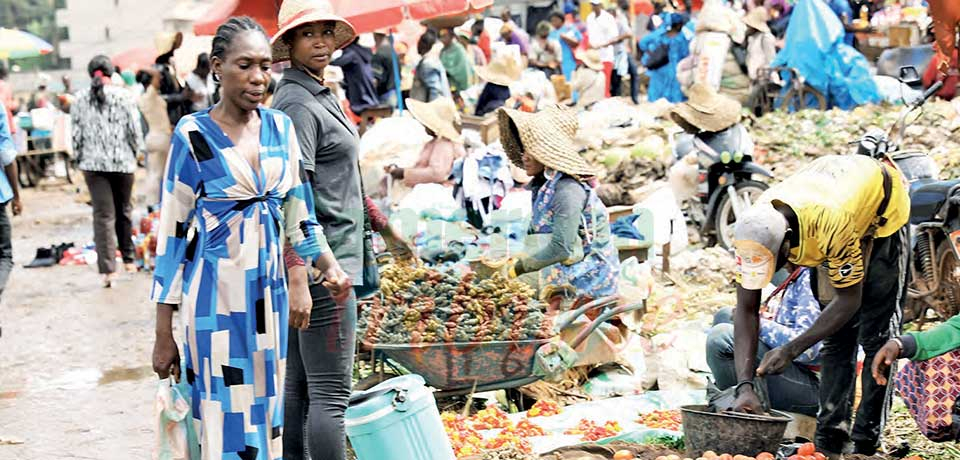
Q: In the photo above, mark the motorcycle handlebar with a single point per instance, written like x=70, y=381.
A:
x=930, y=92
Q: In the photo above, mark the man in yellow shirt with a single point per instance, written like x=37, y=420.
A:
x=845, y=215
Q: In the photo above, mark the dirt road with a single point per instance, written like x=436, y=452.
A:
x=75, y=375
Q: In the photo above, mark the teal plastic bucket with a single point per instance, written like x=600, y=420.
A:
x=397, y=419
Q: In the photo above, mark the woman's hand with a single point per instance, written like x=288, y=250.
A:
x=166, y=357
x=883, y=360
x=334, y=278
x=396, y=245
x=299, y=294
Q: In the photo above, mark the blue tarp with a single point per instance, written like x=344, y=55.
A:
x=815, y=47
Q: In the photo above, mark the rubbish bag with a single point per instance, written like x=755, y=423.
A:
x=176, y=437
x=815, y=47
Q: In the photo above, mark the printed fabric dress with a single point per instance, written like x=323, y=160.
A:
x=596, y=275
x=219, y=256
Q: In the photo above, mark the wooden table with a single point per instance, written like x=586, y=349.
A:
x=32, y=164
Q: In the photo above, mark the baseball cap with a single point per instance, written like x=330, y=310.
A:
x=758, y=236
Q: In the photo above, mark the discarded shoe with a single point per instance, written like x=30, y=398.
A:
x=46, y=257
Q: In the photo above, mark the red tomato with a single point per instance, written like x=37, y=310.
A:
x=765, y=456
x=819, y=456
x=725, y=457
x=807, y=449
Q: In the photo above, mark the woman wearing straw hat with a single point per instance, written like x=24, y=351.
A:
x=503, y=71
x=442, y=121
x=589, y=82
x=761, y=44
x=318, y=373
x=577, y=251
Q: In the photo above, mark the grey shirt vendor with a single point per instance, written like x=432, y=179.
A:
x=332, y=165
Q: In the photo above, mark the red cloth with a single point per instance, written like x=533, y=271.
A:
x=946, y=16
x=643, y=7
x=607, y=73
x=949, y=89
x=378, y=221
x=484, y=43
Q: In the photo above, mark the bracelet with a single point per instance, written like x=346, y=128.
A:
x=899, y=344
x=736, y=390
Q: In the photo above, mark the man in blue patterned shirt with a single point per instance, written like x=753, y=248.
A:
x=9, y=193
x=797, y=388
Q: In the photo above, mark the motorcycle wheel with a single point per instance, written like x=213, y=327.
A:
x=949, y=290
x=748, y=191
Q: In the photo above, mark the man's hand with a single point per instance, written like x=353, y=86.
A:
x=775, y=361
x=883, y=360
x=16, y=206
x=299, y=296
x=397, y=246
x=394, y=171
x=748, y=402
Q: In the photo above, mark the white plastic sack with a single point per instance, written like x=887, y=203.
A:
x=175, y=438
x=668, y=222
x=433, y=199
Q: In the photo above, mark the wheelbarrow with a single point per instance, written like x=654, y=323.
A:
x=459, y=368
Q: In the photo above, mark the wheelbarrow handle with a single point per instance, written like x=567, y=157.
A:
x=603, y=318
x=599, y=303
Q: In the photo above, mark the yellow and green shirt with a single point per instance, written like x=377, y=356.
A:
x=836, y=199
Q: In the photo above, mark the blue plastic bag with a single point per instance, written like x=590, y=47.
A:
x=815, y=47
x=176, y=437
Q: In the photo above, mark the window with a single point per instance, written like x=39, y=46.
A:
x=60, y=4
x=106, y=33
x=63, y=33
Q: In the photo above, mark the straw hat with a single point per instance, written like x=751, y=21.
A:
x=503, y=70
x=166, y=42
x=590, y=59
x=757, y=19
x=295, y=13
x=706, y=110
x=439, y=115
x=547, y=136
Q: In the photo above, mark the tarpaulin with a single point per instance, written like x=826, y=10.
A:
x=815, y=47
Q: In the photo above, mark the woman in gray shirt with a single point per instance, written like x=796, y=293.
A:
x=320, y=357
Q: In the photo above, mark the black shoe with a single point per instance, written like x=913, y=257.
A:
x=44, y=258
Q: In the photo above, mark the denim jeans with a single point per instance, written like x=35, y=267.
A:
x=319, y=378
x=795, y=390
x=879, y=317
x=616, y=80
x=6, y=248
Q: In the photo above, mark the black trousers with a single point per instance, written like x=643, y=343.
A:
x=110, y=193
x=616, y=80
x=877, y=321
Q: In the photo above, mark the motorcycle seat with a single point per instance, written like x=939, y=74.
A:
x=926, y=198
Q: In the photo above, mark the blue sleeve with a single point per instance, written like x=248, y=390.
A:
x=178, y=199
x=804, y=309
x=8, y=149
x=433, y=80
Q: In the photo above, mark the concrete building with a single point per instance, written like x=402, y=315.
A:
x=92, y=27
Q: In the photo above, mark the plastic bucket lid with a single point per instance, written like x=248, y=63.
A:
x=395, y=395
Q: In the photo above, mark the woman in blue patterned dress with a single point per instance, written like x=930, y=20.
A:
x=578, y=253
x=233, y=195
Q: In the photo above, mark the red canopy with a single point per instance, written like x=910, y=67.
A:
x=135, y=58
x=366, y=16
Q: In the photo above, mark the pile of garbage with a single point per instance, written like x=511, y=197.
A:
x=786, y=141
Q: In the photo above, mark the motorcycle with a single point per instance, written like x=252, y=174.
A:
x=725, y=185
x=934, y=216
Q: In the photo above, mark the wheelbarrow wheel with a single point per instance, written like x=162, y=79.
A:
x=373, y=380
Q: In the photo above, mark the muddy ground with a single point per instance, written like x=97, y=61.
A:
x=75, y=375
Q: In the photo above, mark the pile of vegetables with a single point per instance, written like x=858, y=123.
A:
x=425, y=305
x=466, y=440
x=662, y=419
x=593, y=432
x=544, y=408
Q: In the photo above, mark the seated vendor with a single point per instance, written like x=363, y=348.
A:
x=442, y=122
x=797, y=388
x=589, y=82
x=498, y=76
x=577, y=251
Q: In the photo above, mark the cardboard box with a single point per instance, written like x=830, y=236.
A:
x=487, y=126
